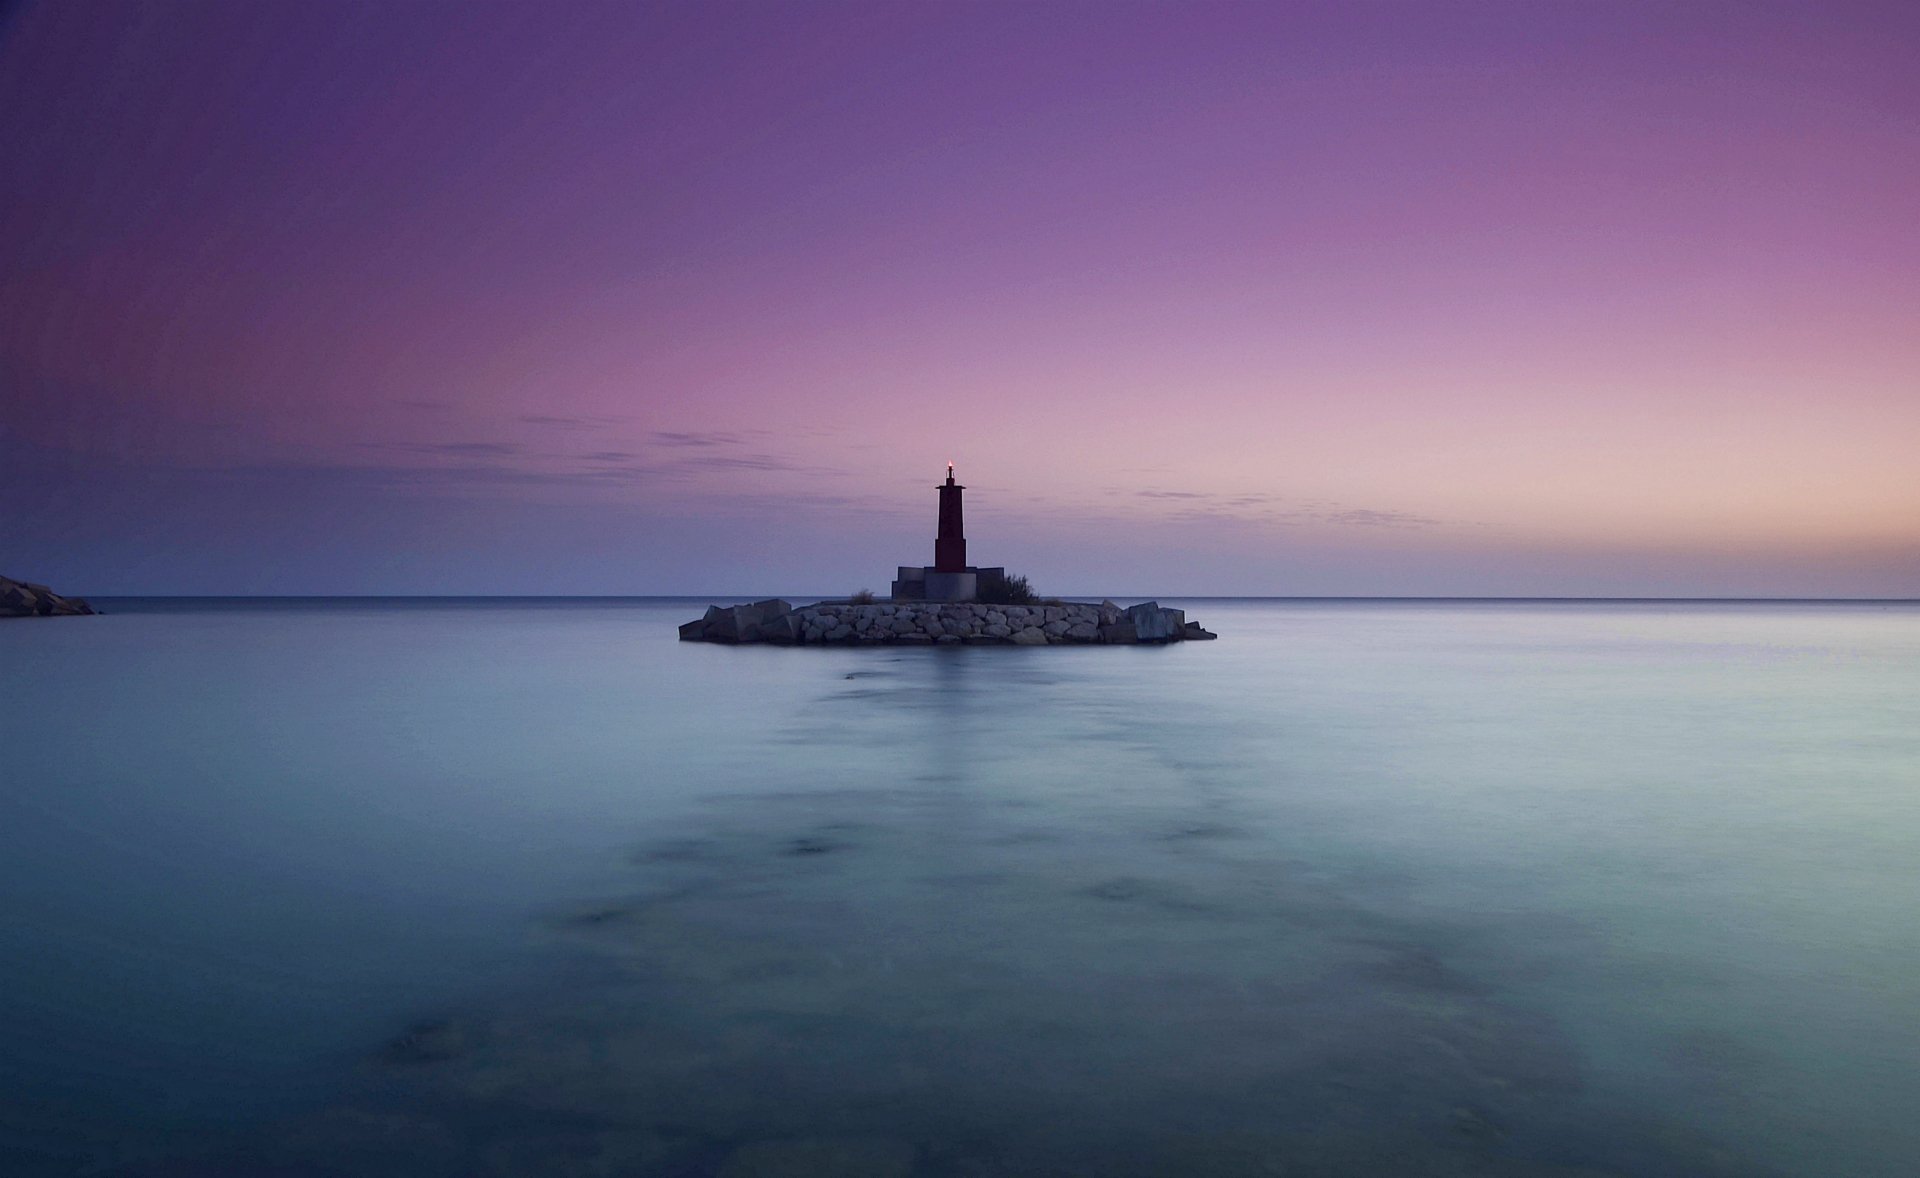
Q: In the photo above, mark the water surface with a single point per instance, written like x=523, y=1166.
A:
x=499, y=887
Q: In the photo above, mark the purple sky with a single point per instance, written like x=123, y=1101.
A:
x=1347, y=298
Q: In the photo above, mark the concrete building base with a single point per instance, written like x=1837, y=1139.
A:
x=950, y=586
x=926, y=583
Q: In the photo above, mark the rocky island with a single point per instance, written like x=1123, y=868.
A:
x=22, y=599
x=849, y=623
x=945, y=603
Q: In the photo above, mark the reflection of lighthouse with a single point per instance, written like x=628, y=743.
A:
x=950, y=546
x=949, y=577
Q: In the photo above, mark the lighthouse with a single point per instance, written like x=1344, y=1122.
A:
x=950, y=545
x=949, y=577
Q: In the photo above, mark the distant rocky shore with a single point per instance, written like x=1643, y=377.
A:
x=924, y=623
x=20, y=599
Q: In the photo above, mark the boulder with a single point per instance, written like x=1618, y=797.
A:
x=1195, y=633
x=1119, y=634
x=744, y=623
x=720, y=625
x=1031, y=636
x=783, y=630
x=761, y=611
x=1154, y=624
x=23, y=599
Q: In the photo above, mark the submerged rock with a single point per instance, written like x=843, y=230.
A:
x=842, y=1157
x=425, y=1042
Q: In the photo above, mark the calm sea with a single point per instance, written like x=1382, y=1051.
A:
x=476, y=887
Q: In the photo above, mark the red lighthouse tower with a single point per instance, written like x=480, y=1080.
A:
x=950, y=545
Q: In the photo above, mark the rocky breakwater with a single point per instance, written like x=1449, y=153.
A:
x=22, y=599
x=946, y=623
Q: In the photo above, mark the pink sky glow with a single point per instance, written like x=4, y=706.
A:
x=1487, y=299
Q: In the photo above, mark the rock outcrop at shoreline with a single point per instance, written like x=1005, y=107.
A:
x=918, y=623
x=22, y=599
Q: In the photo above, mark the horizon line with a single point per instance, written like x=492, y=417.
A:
x=887, y=601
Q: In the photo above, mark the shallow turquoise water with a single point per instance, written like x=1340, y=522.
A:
x=1442, y=888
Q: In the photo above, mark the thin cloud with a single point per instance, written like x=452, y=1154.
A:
x=1367, y=518
x=1264, y=508
x=390, y=474
x=456, y=449
x=740, y=462
x=562, y=421
x=1244, y=499
x=697, y=439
